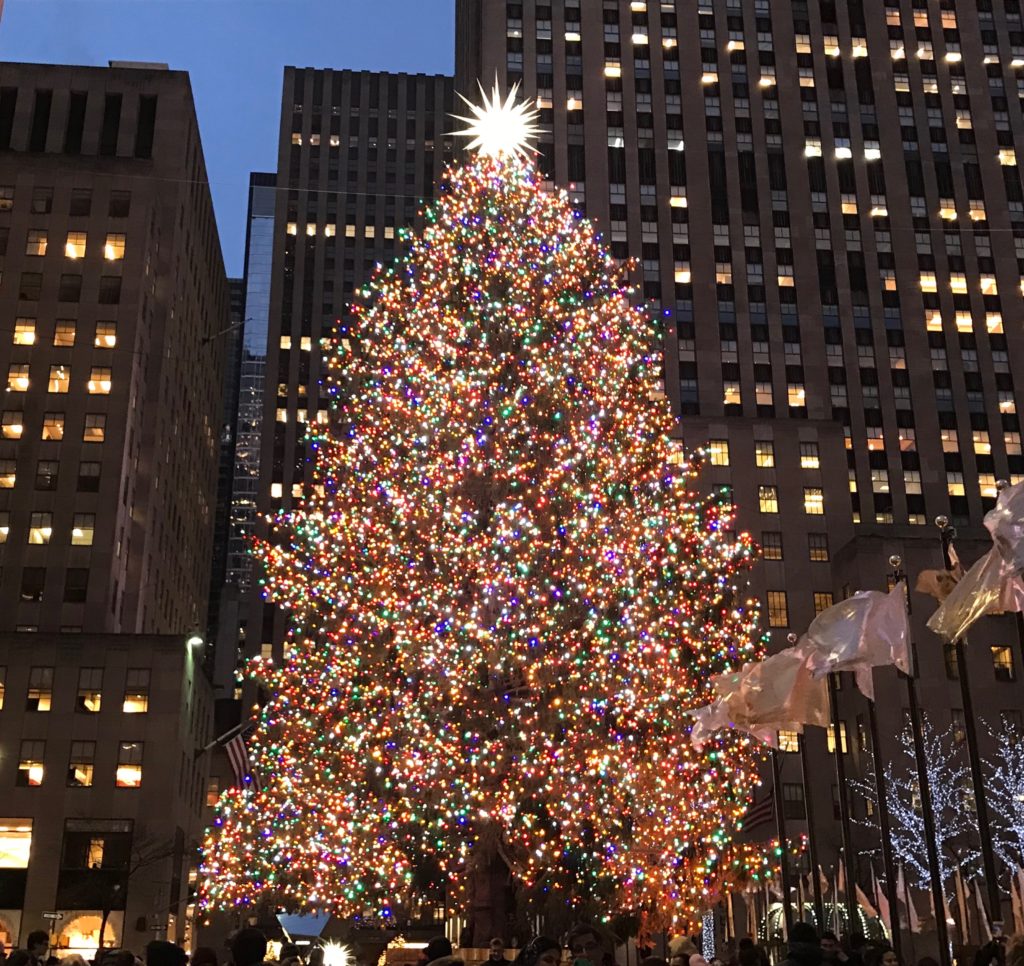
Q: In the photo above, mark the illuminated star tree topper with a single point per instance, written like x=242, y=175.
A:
x=500, y=128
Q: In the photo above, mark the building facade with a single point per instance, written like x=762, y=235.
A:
x=359, y=154
x=823, y=203
x=103, y=792
x=112, y=296
x=112, y=282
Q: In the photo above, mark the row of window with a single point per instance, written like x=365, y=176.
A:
x=98, y=383
x=69, y=289
x=12, y=426
x=75, y=244
x=764, y=454
x=778, y=606
x=814, y=500
x=89, y=697
x=46, y=475
x=40, y=529
x=81, y=764
x=64, y=332
x=79, y=206
x=817, y=546
x=330, y=230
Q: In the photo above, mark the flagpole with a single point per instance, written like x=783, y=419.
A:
x=947, y=534
x=780, y=825
x=888, y=865
x=844, y=807
x=812, y=841
x=911, y=914
x=923, y=780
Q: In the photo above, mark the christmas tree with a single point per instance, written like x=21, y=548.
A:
x=504, y=589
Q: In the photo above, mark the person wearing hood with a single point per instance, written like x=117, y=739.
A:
x=541, y=951
x=804, y=946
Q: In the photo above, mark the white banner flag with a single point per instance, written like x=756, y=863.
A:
x=762, y=698
x=865, y=631
x=993, y=585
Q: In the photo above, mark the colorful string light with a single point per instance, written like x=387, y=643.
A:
x=505, y=592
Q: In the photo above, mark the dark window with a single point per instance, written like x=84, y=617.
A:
x=70, y=288
x=46, y=474
x=147, y=126
x=111, y=124
x=40, y=121
x=76, y=122
x=30, y=286
x=793, y=800
x=719, y=189
x=76, y=585
x=110, y=290
x=8, y=99
x=81, y=202
x=42, y=201
x=577, y=163
x=32, y=580
x=5, y=233
x=120, y=204
x=88, y=477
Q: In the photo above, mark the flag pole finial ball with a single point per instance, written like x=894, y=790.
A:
x=1002, y=484
x=895, y=560
x=942, y=522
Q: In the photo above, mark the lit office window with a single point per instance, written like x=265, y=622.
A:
x=40, y=528
x=814, y=500
x=81, y=763
x=74, y=246
x=718, y=452
x=30, y=763
x=24, y=331
x=136, y=691
x=83, y=530
x=99, y=381
x=12, y=423
x=768, y=499
x=129, y=764
x=113, y=247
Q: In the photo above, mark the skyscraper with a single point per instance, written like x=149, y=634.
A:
x=358, y=155
x=113, y=294
x=112, y=280
x=823, y=204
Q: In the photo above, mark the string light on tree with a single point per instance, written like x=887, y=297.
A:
x=949, y=778
x=1005, y=787
x=505, y=590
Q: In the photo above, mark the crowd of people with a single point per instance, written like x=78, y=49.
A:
x=584, y=945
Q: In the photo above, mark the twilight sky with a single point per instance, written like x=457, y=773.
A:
x=235, y=51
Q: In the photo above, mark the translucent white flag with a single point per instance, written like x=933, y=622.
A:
x=865, y=631
x=993, y=585
x=762, y=698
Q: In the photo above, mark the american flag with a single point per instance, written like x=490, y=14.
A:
x=759, y=812
x=238, y=755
